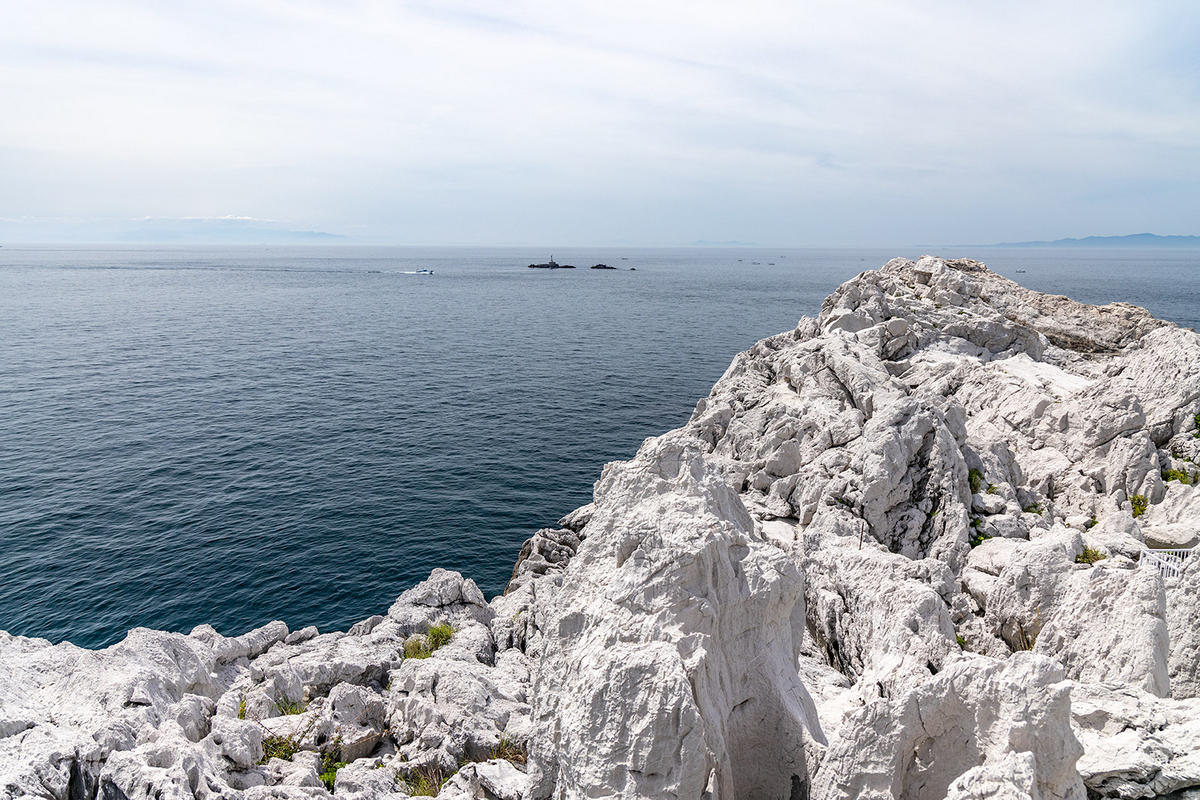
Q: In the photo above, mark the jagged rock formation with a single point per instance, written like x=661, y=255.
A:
x=892, y=555
x=668, y=654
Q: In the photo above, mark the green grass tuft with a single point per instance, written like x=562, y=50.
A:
x=510, y=750
x=437, y=636
x=425, y=781
x=975, y=478
x=1089, y=556
x=1139, y=503
x=1034, y=508
x=962, y=641
x=287, y=707
x=275, y=746
x=331, y=762
x=1178, y=475
x=978, y=537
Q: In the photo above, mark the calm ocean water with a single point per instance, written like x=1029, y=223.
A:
x=234, y=435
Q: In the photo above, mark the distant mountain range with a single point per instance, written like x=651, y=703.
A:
x=1132, y=240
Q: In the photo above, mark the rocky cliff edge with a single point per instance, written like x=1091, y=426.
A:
x=894, y=554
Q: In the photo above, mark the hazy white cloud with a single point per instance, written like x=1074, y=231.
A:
x=803, y=123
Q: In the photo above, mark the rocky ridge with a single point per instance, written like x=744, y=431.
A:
x=894, y=554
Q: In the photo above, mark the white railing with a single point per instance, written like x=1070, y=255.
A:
x=1168, y=562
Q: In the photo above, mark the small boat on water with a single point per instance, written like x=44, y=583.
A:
x=1020, y=272
x=423, y=272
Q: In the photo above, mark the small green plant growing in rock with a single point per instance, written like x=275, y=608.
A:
x=287, y=707
x=276, y=746
x=436, y=636
x=1034, y=508
x=1178, y=475
x=425, y=781
x=1089, y=556
x=1139, y=503
x=331, y=762
x=978, y=537
x=439, y=635
x=1176, y=454
x=962, y=641
x=992, y=489
x=975, y=478
x=242, y=707
x=1196, y=433
x=509, y=750
x=1091, y=523
x=285, y=747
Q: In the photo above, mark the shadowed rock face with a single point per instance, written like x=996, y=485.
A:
x=868, y=567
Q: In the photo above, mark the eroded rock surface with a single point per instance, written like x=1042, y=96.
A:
x=894, y=554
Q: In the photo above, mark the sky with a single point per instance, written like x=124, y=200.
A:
x=583, y=123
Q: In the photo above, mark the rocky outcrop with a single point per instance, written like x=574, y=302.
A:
x=668, y=668
x=1135, y=744
x=1183, y=631
x=894, y=554
x=975, y=716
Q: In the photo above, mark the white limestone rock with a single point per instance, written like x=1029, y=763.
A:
x=1100, y=623
x=1183, y=630
x=495, y=779
x=670, y=648
x=976, y=713
x=1118, y=534
x=1012, y=778
x=1135, y=744
x=444, y=596
x=368, y=779
x=1109, y=625
x=443, y=710
x=546, y=551
x=880, y=619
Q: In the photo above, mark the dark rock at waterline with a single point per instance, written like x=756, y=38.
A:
x=551, y=265
x=603, y=266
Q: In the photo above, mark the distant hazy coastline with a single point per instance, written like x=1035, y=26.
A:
x=1132, y=240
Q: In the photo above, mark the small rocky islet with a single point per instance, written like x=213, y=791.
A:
x=898, y=552
x=552, y=264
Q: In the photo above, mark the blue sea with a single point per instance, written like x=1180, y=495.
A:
x=239, y=434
